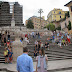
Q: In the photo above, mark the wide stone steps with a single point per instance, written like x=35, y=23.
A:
x=54, y=52
x=2, y=58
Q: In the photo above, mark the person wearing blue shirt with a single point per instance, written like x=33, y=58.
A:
x=24, y=62
x=57, y=34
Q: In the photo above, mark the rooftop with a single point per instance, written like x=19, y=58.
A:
x=68, y=3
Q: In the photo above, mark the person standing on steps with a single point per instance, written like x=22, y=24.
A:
x=6, y=55
x=10, y=56
x=24, y=62
x=41, y=61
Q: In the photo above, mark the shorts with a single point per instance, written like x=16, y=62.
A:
x=6, y=56
x=36, y=45
x=10, y=58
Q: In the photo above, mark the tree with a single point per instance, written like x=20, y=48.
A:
x=30, y=24
x=67, y=15
x=51, y=26
x=69, y=26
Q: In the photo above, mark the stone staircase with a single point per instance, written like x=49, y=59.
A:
x=54, y=52
x=2, y=58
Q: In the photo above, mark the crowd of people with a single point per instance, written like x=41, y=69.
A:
x=26, y=61
x=60, y=38
x=40, y=45
x=41, y=59
x=6, y=42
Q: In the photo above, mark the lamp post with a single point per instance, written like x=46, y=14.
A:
x=40, y=11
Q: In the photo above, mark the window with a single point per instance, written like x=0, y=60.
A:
x=59, y=12
x=71, y=8
x=60, y=16
x=54, y=11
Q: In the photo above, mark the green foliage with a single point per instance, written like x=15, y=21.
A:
x=30, y=24
x=44, y=27
x=50, y=26
x=58, y=28
x=67, y=15
x=69, y=26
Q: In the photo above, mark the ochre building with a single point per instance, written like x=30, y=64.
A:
x=56, y=15
x=36, y=22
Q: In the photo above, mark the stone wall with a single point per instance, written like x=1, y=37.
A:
x=63, y=26
x=16, y=30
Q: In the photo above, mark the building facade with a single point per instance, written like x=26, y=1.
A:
x=36, y=22
x=18, y=14
x=6, y=14
x=65, y=23
x=69, y=5
x=56, y=15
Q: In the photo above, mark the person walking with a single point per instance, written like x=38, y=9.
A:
x=41, y=61
x=24, y=62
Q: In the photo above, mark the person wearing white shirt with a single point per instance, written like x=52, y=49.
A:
x=68, y=38
x=36, y=44
x=26, y=39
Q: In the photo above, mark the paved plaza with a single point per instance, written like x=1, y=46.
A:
x=53, y=66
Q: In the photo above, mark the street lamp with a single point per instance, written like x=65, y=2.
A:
x=40, y=11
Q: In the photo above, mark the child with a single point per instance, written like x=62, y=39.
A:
x=8, y=43
x=6, y=55
x=10, y=56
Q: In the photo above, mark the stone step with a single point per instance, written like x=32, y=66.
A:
x=55, y=51
x=52, y=59
x=2, y=61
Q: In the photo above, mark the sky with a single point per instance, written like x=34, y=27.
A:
x=31, y=7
